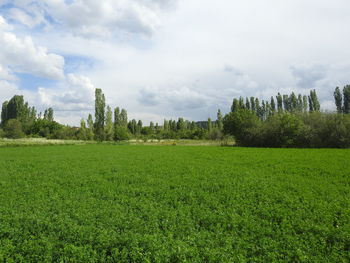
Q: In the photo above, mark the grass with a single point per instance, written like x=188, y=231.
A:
x=128, y=203
x=4, y=142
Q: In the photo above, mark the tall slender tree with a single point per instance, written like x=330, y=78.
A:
x=219, y=120
x=279, y=102
x=273, y=105
x=100, y=106
x=338, y=100
x=346, y=95
x=109, y=124
x=90, y=128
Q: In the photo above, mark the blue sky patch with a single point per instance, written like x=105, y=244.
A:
x=30, y=82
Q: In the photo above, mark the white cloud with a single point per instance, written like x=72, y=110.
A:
x=75, y=94
x=22, y=55
x=91, y=18
x=200, y=53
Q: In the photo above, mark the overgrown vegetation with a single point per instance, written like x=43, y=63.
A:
x=101, y=203
x=294, y=121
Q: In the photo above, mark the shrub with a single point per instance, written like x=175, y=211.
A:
x=13, y=129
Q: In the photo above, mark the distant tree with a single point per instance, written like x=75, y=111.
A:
x=273, y=105
x=286, y=102
x=338, y=100
x=109, y=125
x=90, y=128
x=247, y=104
x=151, y=127
x=165, y=125
x=82, y=131
x=123, y=118
x=279, y=103
x=314, y=104
x=252, y=104
x=219, y=121
x=139, y=127
x=293, y=102
x=257, y=107
x=305, y=103
x=235, y=105
x=311, y=106
x=300, y=103
x=4, y=117
x=116, y=117
x=180, y=125
x=100, y=106
x=15, y=108
x=13, y=129
x=241, y=103
x=346, y=94
x=210, y=126
x=48, y=114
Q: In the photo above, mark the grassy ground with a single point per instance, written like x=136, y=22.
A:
x=124, y=203
x=37, y=141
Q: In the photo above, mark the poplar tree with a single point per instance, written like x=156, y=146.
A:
x=293, y=102
x=235, y=105
x=116, y=117
x=90, y=128
x=241, y=103
x=210, y=126
x=50, y=114
x=166, y=125
x=82, y=130
x=123, y=118
x=247, y=104
x=100, y=106
x=151, y=126
x=286, y=103
x=219, y=120
x=252, y=104
x=338, y=100
x=300, y=103
x=4, y=115
x=279, y=103
x=139, y=127
x=346, y=94
x=180, y=124
x=109, y=124
x=305, y=103
x=273, y=105
x=314, y=104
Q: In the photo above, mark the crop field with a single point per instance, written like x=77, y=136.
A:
x=134, y=203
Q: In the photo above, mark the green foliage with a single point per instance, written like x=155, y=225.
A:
x=173, y=204
x=109, y=125
x=281, y=130
x=100, y=106
x=13, y=129
x=338, y=100
x=346, y=94
x=48, y=129
x=239, y=122
x=121, y=133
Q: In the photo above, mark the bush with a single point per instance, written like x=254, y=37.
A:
x=13, y=129
x=121, y=133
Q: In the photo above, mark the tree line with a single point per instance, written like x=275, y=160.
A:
x=284, y=120
x=290, y=121
x=113, y=125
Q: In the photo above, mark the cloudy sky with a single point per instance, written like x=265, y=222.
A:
x=170, y=58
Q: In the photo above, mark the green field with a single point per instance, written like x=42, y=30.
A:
x=122, y=203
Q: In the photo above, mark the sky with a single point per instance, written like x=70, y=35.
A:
x=170, y=58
